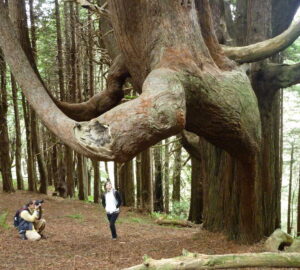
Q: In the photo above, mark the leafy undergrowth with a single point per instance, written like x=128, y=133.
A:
x=79, y=238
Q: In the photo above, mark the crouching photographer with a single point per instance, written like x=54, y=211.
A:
x=29, y=221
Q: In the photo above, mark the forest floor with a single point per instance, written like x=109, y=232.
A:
x=79, y=238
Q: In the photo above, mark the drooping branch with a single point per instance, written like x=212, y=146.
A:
x=281, y=75
x=193, y=261
x=264, y=49
x=103, y=101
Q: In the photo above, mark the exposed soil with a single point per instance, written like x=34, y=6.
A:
x=79, y=238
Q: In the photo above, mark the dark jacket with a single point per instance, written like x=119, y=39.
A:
x=117, y=196
x=23, y=224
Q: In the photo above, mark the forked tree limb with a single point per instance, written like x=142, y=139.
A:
x=102, y=11
x=281, y=75
x=195, y=261
x=264, y=49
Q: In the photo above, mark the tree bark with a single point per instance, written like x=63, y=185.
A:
x=20, y=181
x=289, y=224
x=167, y=176
x=97, y=181
x=177, y=172
x=158, y=182
x=146, y=181
x=126, y=183
x=196, y=203
x=5, y=163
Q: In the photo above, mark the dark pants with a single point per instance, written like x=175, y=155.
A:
x=112, y=219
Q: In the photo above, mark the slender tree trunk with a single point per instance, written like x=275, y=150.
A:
x=59, y=52
x=289, y=224
x=126, y=182
x=176, y=172
x=146, y=182
x=298, y=207
x=158, y=190
x=167, y=176
x=116, y=175
x=20, y=183
x=30, y=173
x=196, y=204
x=138, y=180
x=5, y=163
x=96, y=181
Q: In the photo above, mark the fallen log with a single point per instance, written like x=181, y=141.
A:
x=194, y=261
x=174, y=222
x=278, y=240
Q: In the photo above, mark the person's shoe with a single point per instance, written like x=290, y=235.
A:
x=23, y=236
x=114, y=238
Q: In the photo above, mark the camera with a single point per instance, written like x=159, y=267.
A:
x=37, y=202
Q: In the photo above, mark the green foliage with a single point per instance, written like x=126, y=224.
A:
x=3, y=220
x=181, y=209
x=78, y=217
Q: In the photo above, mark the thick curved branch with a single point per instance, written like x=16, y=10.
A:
x=264, y=49
x=133, y=126
x=281, y=75
x=103, y=101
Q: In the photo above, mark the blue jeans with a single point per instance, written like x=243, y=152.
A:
x=112, y=220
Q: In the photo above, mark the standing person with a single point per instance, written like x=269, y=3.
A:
x=111, y=201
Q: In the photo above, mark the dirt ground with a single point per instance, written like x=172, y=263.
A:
x=79, y=238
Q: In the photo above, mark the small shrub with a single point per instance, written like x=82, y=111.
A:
x=3, y=220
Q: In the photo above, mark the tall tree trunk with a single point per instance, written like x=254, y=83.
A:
x=158, y=179
x=166, y=162
x=17, y=12
x=126, y=182
x=196, y=203
x=60, y=64
x=176, y=172
x=36, y=144
x=138, y=180
x=96, y=181
x=298, y=207
x=146, y=182
x=5, y=163
x=289, y=224
x=20, y=183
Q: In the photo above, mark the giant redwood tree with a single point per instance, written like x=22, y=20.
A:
x=186, y=79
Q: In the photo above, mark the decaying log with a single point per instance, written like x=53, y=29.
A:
x=181, y=223
x=278, y=240
x=193, y=261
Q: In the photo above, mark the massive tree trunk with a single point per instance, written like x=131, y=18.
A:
x=172, y=55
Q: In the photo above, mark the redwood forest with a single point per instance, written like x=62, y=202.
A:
x=149, y=134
